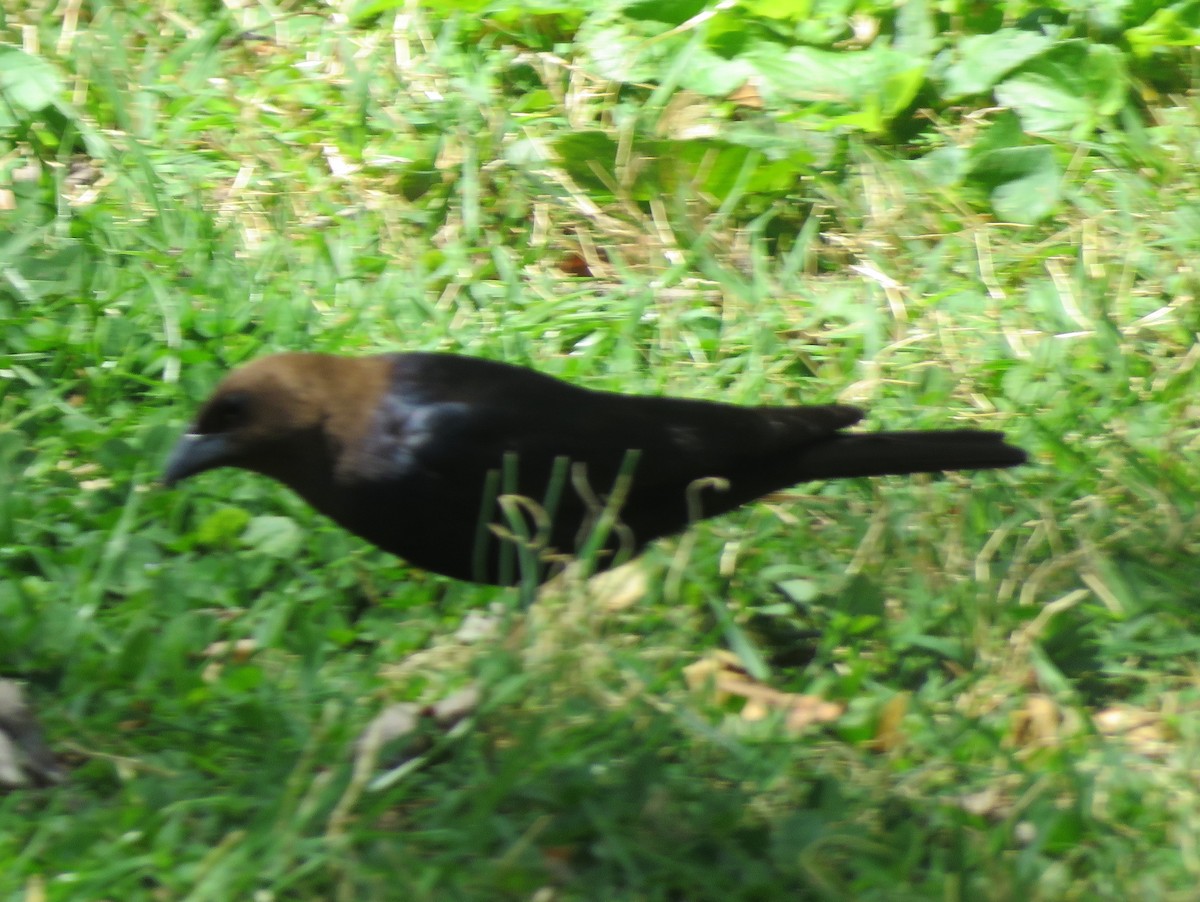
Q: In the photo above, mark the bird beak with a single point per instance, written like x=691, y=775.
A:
x=196, y=453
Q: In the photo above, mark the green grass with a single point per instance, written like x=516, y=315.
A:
x=1015, y=653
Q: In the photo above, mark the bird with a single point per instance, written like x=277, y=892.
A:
x=494, y=473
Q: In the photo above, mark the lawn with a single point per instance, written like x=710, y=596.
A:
x=977, y=686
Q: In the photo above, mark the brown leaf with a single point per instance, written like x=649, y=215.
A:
x=574, y=264
x=393, y=722
x=888, y=733
x=1038, y=723
x=449, y=710
x=405, y=720
x=747, y=96
x=990, y=802
x=722, y=673
x=619, y=588
x=239, y=651
x=224, y=651
x=700, y=673
x=1142, y=730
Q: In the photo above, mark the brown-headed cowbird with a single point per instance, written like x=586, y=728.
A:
x=414, y=452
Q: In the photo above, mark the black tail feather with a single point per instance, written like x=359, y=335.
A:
x=897, y=453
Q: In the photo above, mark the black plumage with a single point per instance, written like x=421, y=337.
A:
x=413, y=452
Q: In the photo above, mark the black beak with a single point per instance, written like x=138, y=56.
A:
x=196, y=453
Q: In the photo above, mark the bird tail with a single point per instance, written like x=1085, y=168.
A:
x=898, y=453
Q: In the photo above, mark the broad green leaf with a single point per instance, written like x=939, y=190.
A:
x=861, y=598
x=242, y=679
x=1070, y=92
x=1046, y=105
x=1033, y=191
x=1176, y=26
x=715, y=76
x=800, y=591
x=917, y=33
x=807, y=74
x=672, y=12
x=944, y=166
x=222, y=526
x=620, y=55
x=875, y=84
x=976, y=63
x=272, y=535
x=1021, y=179
x=32, y=85
x=787, y=10
x=28, y=82
x=710, y=166
x=1005, y=131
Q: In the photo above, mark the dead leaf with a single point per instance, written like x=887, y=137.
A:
x=1037, y=724
x=11, y=772
x=478, y=625
x=25, y=758
x=404, y=720
x=865, y=28
x=222, y=652
x=722, y=673
x=35, y=889
x=392, y=723
x=619, y=588
x=699, y=673
x=888, y=734
x=1144, y=731
x=449, y=710
x=687, y=117
x=30, y=172
x=748, y=96
x=239, y=650
x=574, y=264
x=989, y=802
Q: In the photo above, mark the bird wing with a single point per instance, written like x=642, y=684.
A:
x=453, y=418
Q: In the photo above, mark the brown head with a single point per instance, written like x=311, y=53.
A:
x=287, y=416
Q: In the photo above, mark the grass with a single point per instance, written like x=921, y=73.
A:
x=1013, y=655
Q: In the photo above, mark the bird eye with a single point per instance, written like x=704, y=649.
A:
x=226, y=414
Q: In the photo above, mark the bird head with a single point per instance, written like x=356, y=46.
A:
x=284, y=416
